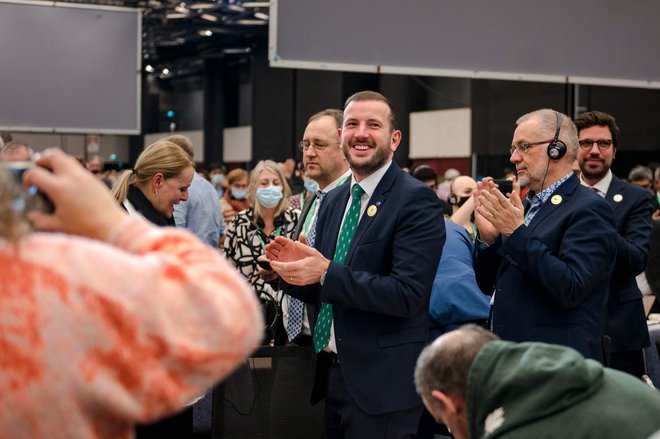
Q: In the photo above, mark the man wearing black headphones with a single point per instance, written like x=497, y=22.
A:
x=547, y=262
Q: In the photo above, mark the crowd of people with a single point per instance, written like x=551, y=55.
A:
x=399, y=284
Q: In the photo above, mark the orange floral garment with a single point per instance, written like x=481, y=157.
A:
x=94, y=338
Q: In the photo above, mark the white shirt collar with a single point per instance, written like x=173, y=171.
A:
x=338, y=181
x=369, y=184
x=603, y=185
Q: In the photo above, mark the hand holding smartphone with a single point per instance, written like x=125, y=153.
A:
x=34, y=199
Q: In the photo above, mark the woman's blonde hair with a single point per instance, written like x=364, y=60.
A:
x=163, y=156
x=267, y=165
x=13, y=222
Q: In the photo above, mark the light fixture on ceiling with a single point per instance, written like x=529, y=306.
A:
x=181, y=9
x=248, y=22
x=165, y=71
x=203, y=5
x=261, y=16
x=209, y=17
x=175, y=16
x=149, y=68
x=256, y=4
x=205, y=33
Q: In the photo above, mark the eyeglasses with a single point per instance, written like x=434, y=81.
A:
x=319, y=146
x=523, y=147
x=603, y=144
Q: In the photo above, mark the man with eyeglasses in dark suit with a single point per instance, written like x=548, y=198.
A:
x=625, y=321
x=547, y=263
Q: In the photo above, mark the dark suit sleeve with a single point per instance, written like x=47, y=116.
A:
x=632, y=242
x=584, y=257
x=392, y=270
x=486, y=262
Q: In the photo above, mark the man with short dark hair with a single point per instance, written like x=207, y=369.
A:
x=625, y=321
x=378, y=243
x=548, y=263
x=480, y=387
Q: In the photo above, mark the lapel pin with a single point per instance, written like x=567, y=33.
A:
x=556, y=199
x=371, y=210
x=617, y=198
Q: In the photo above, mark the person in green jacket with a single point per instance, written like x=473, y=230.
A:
x=482, y=387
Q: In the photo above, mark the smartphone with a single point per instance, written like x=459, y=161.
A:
x=265, y=265
x=505, y=186
x=34, y=199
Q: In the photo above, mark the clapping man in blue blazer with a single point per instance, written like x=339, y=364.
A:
x=625, y=322
x=378, y=243
x=547, y=263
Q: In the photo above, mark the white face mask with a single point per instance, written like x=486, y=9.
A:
x=269, y=196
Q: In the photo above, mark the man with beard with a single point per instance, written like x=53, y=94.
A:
x=625, y=321
x=369, y=275
x=547, y=264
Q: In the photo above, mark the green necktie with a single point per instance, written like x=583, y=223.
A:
x=324, y=321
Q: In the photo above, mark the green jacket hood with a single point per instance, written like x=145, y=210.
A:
x=503, y=373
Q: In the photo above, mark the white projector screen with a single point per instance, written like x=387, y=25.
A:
x=599, y=42
x=69, y=68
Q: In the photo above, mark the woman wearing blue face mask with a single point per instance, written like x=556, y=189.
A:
x=267, y=217
x=298, y=201
x=235, y=198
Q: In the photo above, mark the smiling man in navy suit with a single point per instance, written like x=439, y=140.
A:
x=378, y=294
x=625, y=321
x=547, y=263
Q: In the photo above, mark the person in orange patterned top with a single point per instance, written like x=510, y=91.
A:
x=124, y=323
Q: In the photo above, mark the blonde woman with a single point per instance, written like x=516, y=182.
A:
x=160, y=179
x=269, y=216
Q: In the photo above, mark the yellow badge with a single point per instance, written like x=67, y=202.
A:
x=556, y=199
x=371, y=210
x=617, y=198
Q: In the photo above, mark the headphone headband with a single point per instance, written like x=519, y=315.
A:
x=557, y=148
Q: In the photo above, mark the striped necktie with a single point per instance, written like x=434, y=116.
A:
x=296, y=306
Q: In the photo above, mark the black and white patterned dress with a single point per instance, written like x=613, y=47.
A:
x=246, y=241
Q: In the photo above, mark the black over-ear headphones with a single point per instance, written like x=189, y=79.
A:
x=557, y=148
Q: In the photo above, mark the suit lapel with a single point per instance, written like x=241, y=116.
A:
x=565, y=191
x=303, y=215
x=616, y=188
x=334, y=219
x=377, y=200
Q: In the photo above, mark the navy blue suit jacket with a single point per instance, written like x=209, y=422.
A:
x=380, y=295
x=625, y=321
x=551, y=278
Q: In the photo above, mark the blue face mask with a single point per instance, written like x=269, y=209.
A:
x=269, y=196
x=238, y=194
x=217, y=179
x=311, y=185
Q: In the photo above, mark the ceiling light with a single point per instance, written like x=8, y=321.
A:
x=209, y=17
x=149, y=68
x=205, y=33
x=256, y=4
x=166, y=71
x=181, y=8
x=236, y=8
x=175, y=16
x=200, y=5
x=261, y=16
x=250, y=22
